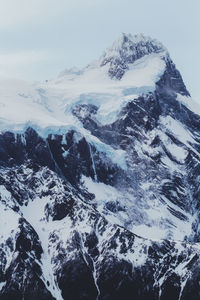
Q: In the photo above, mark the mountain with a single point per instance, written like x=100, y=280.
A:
x=99, y=181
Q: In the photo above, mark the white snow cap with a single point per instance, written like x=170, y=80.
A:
x=126, y=50
x=136, y=39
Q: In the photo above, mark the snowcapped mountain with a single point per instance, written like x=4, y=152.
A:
x=99, y=181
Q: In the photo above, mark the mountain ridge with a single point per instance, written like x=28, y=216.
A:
x=99, y=184
x=126, y=50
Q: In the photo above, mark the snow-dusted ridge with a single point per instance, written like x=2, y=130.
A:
x=126, y=50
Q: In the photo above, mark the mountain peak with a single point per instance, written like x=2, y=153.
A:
x=127, y=39
x=126, y=50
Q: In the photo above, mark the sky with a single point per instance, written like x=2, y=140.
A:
x=40, y=38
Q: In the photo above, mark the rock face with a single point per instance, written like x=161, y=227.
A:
x=105, y=210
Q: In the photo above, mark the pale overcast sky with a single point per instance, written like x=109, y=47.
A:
x=40, y=38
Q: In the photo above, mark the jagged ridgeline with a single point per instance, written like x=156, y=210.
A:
x=99, y=181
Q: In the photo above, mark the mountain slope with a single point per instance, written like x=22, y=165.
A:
x=99, y=181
